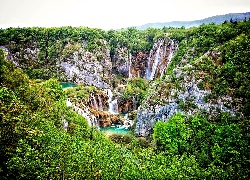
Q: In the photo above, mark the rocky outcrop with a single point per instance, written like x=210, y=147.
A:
x=121, y=61
x=26, y=56
x=143, y=63
x=139, y=64
x=104, y=118
x=126, y=105
x=98, y=102
x=88, y=68
x=186, y=98
x=76, y=64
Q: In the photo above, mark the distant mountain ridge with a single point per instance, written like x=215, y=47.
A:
x=218, y=19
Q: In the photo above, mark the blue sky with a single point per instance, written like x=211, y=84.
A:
x=111, y=14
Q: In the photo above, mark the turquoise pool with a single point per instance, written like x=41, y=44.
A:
x=67, y=84
x=115, y=129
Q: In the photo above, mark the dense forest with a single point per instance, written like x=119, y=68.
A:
x=199, y=145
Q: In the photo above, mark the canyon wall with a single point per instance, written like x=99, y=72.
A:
x=179, y=94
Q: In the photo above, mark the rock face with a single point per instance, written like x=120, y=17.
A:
x=88, y=68
x=121, y=61
x=188, y=99
x=28, y=53
x=139, y=64
x=145, y=64
x=126, y=105
x=83, y=67
x=146, y=118
x=95, y=110
x=76, y=64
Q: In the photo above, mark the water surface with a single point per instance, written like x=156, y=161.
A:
x=115, y=129
x=67, y=84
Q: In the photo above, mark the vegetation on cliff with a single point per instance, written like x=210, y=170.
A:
x=34, y=144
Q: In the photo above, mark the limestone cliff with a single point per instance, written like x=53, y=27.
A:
x=182, y=92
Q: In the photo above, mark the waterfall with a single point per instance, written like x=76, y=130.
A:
x=127, y=123
x=172, y=50
x=159, y=58
x=92, y=120
x=113, y=105
x=109, y=94
x=150, y=71
x=100, y=103
x=94, y=103
x=68, y=103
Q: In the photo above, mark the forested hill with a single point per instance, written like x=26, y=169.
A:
x=184, y=92
x=219, y=19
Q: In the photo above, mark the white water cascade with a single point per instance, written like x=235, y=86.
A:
x=150, y=71
x=92, y=120
x=113, y=105
x=94, y=103
x=100, y=103
x=127, y=122
x=172, y=50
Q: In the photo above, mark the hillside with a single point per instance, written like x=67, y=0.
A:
x=184, y=94
x=218, y=19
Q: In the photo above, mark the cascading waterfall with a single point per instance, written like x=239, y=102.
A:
x=127, y=122
x=94, y=103
x=172, y=50
x=92, y=120
x=159, y=58
x=100, y=108
x=68, y=103
x=150, y=71
x=109, y=94
x=113, y=105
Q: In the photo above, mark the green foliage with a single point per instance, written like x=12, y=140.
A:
x=170, y=136
x=34, y=144
x=81, y=94
x=136, y=88
x=219, y=147
x=189, y=104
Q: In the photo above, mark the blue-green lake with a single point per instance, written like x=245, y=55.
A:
x=115, y=129
x=67, y=84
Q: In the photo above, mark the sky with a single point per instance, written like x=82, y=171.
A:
x=111, y=14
